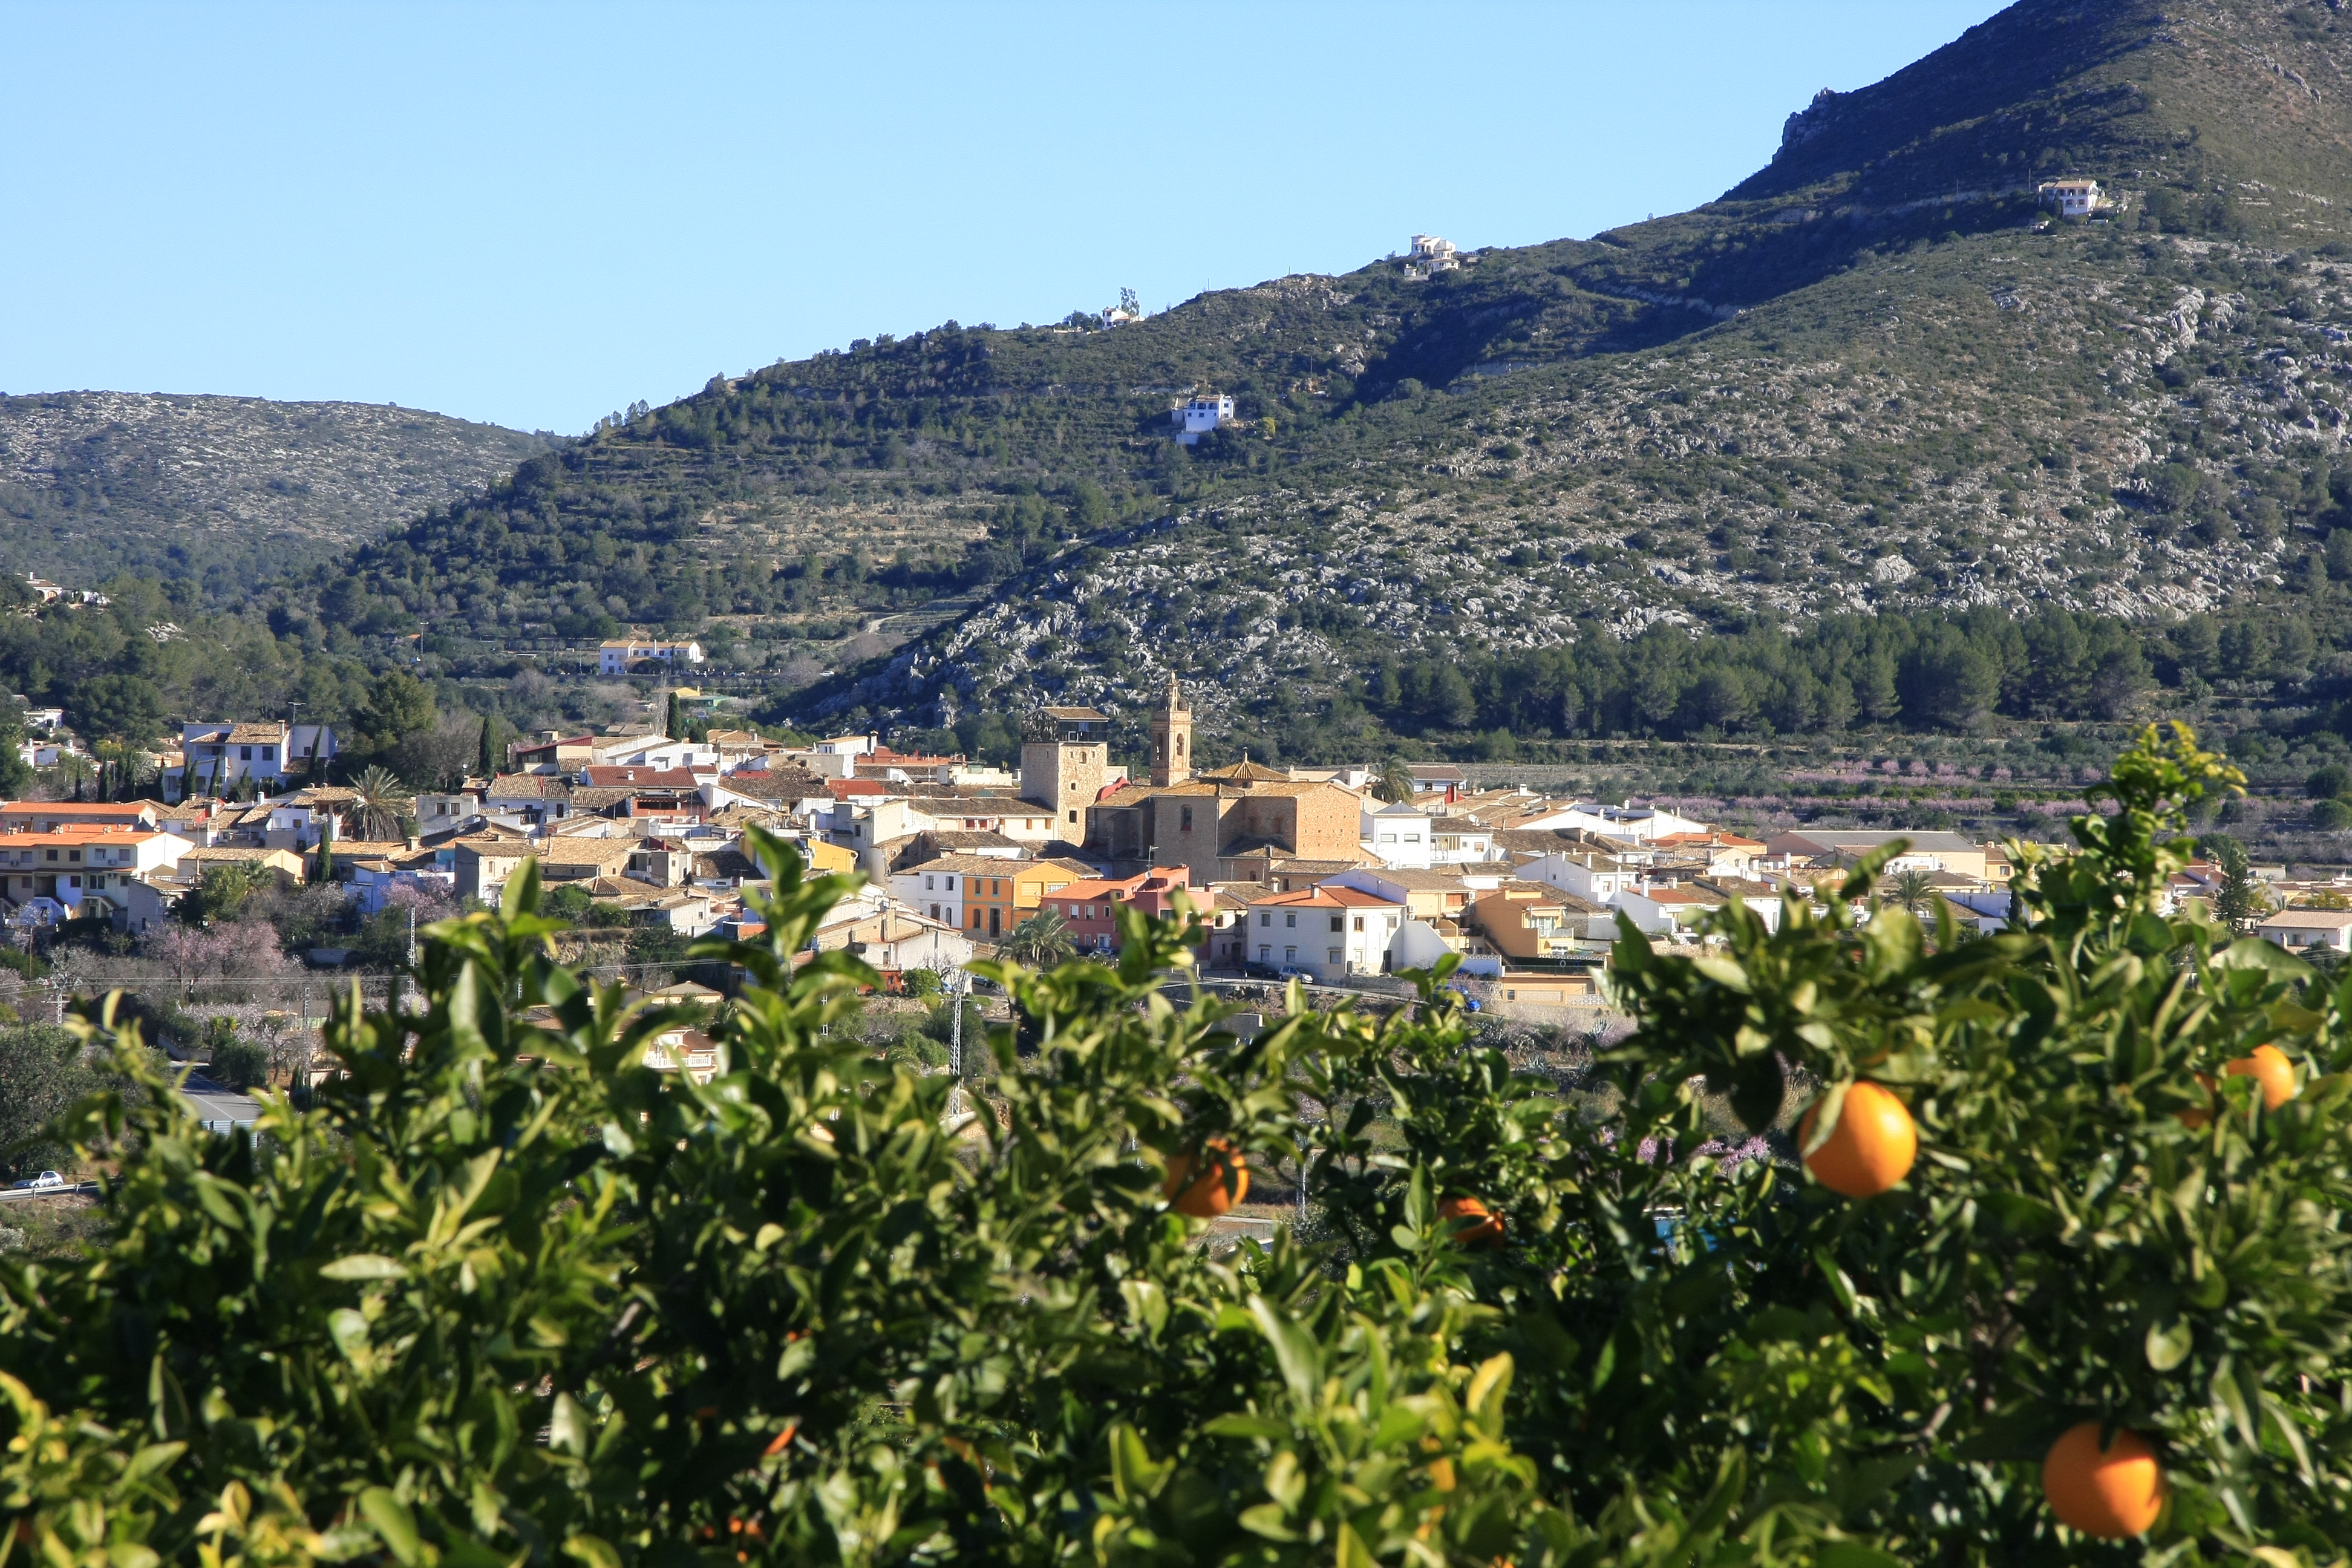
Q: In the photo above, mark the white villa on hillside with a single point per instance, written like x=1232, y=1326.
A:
x=1203, y=414
x=618, y=655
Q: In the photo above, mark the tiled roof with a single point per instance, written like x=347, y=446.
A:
x=528, y=787
x=775, y=783
x=641, y=778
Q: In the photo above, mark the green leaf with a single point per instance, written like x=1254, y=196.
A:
x=363, y=1265
x=1295, y=1351
x=2169, y=1343
x=1853, y=1555
x=591, y=1552
x=393, y=1523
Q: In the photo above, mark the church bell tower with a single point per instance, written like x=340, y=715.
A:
x=1172, y=739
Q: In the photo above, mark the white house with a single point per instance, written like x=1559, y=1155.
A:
x=2071, y=198
x=1398, y=833
x=1435, y=254
x=1330, y=931
x=935, y=889
x=650, y=752
x=69, y=864
x=1595, y=877
x=2330, y=928
x=618, y=655
x=1203, y=414
x=1460, y=841
x=1663, y=911
x=1625, y=821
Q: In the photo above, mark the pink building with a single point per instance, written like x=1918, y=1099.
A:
x=1091, y=907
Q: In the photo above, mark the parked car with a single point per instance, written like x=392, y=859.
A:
x=1257, y=971
x=42, y=1183
x=1304, y=977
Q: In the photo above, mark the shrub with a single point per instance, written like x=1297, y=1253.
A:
x=504, y=1293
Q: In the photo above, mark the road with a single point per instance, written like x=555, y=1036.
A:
x=8, y=1195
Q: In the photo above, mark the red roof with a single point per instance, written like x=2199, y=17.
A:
x=842, y=789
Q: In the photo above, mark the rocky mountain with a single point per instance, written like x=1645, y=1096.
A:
x=1877, y=398
x=226, y=490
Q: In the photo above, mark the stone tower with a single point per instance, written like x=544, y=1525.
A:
x=1064, y=762
x=1172, y=739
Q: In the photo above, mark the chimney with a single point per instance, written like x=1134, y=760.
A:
x=545, y=736
x=415, y=843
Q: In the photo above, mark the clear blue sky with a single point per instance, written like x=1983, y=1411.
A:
x=536, y=215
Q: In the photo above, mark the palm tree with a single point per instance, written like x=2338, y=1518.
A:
x=1911, y=889
x=382, y=802
x=1395, y=783
x=1040, y=942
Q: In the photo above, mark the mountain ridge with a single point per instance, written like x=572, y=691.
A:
x=1872, y=379
x=219, y=486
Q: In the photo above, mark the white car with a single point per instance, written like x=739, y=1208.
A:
x=41, y=1183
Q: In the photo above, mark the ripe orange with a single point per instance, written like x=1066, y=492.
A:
x=2269, y=1067
x=1221, y=1184
x=1871, y=1147
x=1474, y=1224
x=2112, y=1494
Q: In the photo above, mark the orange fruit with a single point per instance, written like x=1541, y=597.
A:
x=2109, y=1494
x=1474, y=1224
x=1221, y=1184
x=1871, y=1147
x=2269, y=1067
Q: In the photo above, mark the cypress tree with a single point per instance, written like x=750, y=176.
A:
x=488, y=770
x=671, y=727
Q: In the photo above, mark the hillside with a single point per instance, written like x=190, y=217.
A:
x=1873, y=380
x=223, y=490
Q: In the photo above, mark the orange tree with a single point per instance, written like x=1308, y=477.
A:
x=505, y=1292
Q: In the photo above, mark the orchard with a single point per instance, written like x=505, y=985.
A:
x=2050, y=1266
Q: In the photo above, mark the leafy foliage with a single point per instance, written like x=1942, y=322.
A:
x=505, y=1292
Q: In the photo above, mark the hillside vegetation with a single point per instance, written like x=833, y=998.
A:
x=1873, y=379
x=222, y=491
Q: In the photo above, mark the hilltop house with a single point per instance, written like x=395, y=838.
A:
x=2071, y=198
x=1203, y=414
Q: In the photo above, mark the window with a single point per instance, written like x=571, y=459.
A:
x=1388, y=838
x=951, y=884
x=1289, y=955
x=935, y=911
x=928, y=886
x=1074, y=816
x=1264, y=917
x=1335, y=954
x=1290, y=916
x=245, y=754
x=1264, y=953
x=269, y=753
x=1360, y=923
x=1339, y=924
x=52, y=854
x=1184, y=819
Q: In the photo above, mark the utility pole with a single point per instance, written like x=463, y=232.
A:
x=955, y=980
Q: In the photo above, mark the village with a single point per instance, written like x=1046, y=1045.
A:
x=1338, y=878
